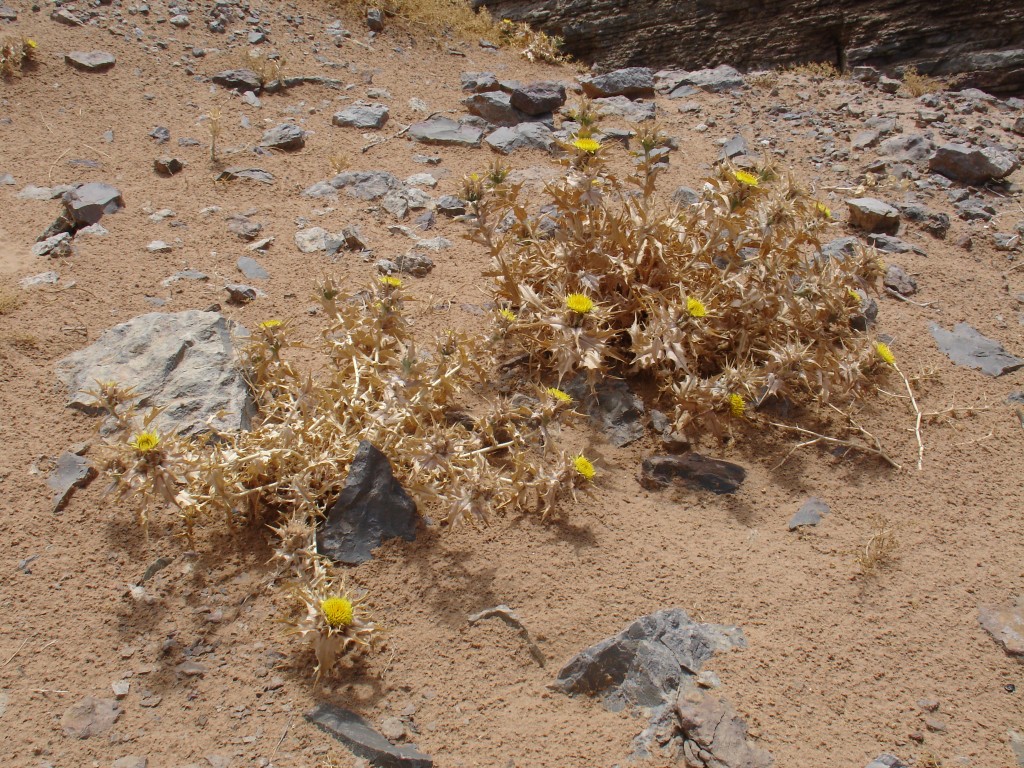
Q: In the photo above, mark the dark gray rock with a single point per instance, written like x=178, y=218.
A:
x=965, y=346
x=896, y=279
x=161, y=133
x=66, y=17
x=974, y=209
x=372, y=507
x=645, y=664
x=909, y=148
x=251, y=269
x=72, y=471
x=183, y=362
x=734, y=147
x=495, y=107
x=445, y=132
x=241, y=79
x=239, y=293
x=362, y=116
x=614, y=406
x=890, y=244
x=86, y=204
x=244, y=227
x=972, y=165
x=450, y=205
x=522, y=136
x=56, y=246
x=685, y=196
x=366, y=185
x=1018, y=126
x=412, y=263
x=247, y=173
x=694, y=470
x=935, y=224
x=363, y=741
x=538, y=98
x=168, y=166
x=286, y=137
x=479, y=82
x=714, y=736
x=631, y=81
x=716, y=80
x=810, y=513
x=375, y=19
x=8, y=14
x=90, y=61
x=1005, y=625
x=873, y=215
x=621, y=106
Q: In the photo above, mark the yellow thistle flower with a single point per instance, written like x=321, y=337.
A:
x=737, y=405
x=584, y=467
x=823, y=210
x=590, y=146
x=269, y=324
x=31, y=43
x=853, y=295
x=579, y=303
x=748, y=179
x=389, y=282
x=474, y=177
x=695, y=307
x=337, y=612
x=144, y=442
x=885, y=353
x=507, y=315
x=559, y=395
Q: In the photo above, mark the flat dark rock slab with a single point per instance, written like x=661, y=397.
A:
x=90, y=61
x=252, y=174
x=694, y=470
x=965, y=346
x=363, y=741
x=810, y=513
x=72, y=471
x=372, y=507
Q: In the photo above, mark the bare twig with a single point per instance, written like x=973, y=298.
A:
x=917, y=420
x=20, y=647
x=901, y=297
x=817, y=437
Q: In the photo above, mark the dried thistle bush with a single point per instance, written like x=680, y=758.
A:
x=915, y=84
x=437, y=17
x=268, y=68
x=816, y=70
x=723, y=303
x=530, y=43
x=453, y=442
x=14, y=52
x=880, y=549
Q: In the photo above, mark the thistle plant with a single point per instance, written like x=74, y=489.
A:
x=726, y=304
x=14, y=52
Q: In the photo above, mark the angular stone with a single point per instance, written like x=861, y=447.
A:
x=694, y=470
x=873, y=215
x=445, y=132
x=972, y=165
x=810, y=513
x=183, y=362
x=242, y=79
x=239, y=293
x=721, y=78
x=495, y=107
x=87, y=203
x=886, y=761
x=90, y=61
x=538, y=98
x=311, y=240
x=614, y=406
x=58, y=246
x=250, y=174
x=72, y=471
x=366, y=185
x=734, y=147
x=363, y=116
x=910, y=148
x=890, y=244
x=1006, y=625
x=522, y=136
x=363, y=741
x=244, y=227
x=631, y=81
x=90, y=717
x=965, y=346
x=620, y=106
x=450, y=205
x=896, y=279
x=685, y=196
x=372, y=507
x=168, y=166
x=645, y=664
x=479, y=82
x=715, y=734
x=974, y=209
x=251, y=269
x=286, y=136
x=8, y=14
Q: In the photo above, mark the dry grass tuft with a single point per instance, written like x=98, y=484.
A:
x=881, y=548
x=14, y=53
x=9, y=300
x=530, y=43
x=915, y=84
x=816, y=70
x=436, y=17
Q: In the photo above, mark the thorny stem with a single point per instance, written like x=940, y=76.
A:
x=818, y=437
x=917, y=421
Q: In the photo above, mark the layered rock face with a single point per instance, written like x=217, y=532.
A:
x=983, y=42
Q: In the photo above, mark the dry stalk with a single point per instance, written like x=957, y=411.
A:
x=880, y=549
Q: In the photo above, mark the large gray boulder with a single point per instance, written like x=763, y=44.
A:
x=496, y=108
x=522, y=136
x=631, y=81
x=362, y=116
x=972, y=165
x=183, y=362
x=873, y=215
x=86, y=204
x=445, y=132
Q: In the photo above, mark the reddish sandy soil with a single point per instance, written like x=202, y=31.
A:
x=836, y=664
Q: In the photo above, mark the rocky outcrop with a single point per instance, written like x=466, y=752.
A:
x=984, y=42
